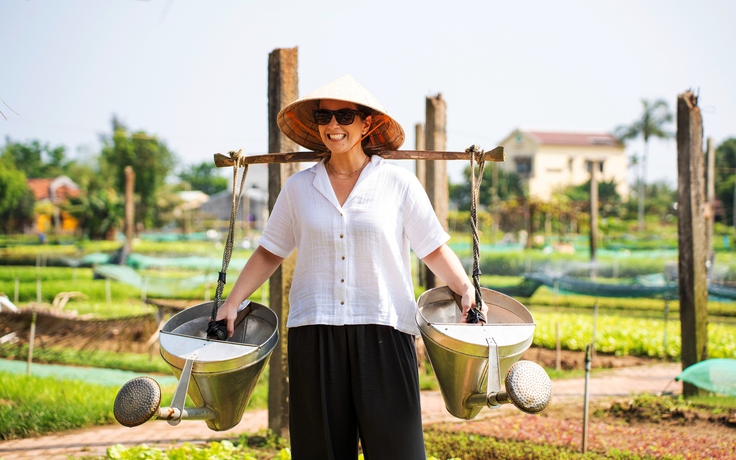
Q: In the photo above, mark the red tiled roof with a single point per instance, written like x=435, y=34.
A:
x=550, y=138
x=40, y=188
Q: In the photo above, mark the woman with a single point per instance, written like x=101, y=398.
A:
x=353, y=218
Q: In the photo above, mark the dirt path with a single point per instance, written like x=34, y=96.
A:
x=649, y=378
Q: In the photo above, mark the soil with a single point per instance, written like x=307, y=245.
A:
x=645, y=428
x=575, y=360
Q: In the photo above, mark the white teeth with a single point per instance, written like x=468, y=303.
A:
x=336, y=137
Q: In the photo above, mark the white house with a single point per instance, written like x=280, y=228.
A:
x=549, y=161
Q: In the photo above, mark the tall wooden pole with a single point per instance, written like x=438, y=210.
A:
x=129, y=213
x=436, y=170
x=419, y=144
x=421, y=171
x=283, y=88
x=691, y=231
x=593, y=215
x=710, y=196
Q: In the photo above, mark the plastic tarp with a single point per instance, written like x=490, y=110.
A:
x=714, y=375
x=155, y=286
x=651, y=286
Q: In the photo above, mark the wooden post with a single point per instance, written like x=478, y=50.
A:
x=129, y=213
x=495, y=205
x=691, y=235
x=31, y=340
x=710, y=197
x=283, y=88
x=593, y=215
x=436, y=170
x=419, y=144
x=421, y=170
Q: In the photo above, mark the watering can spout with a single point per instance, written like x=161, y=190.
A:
x=139, y=401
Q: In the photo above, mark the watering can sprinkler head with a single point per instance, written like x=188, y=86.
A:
x=137, y=401
x=527, y=386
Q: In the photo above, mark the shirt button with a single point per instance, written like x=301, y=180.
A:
x=342, y=302
x=342, y=281
x=343, y=257
x=341, y=235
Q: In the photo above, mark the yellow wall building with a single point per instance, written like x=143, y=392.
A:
x=550, y=161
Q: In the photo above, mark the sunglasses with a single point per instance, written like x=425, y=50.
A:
x=342, y=116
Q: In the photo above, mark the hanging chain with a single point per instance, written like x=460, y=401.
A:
x=239, y=161
x=476, y=315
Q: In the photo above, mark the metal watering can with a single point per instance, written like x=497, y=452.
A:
x=219, y=376
x=470, y=360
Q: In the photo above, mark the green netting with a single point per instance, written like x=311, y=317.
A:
x=648, y=286
x=214, y=263
x=170, y=237
x=586, y=287
x=154, y=286
x=526, y=288
x=714, y=375
x=104, y=377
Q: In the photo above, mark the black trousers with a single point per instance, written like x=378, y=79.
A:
x=354, y=382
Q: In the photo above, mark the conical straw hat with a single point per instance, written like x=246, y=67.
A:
x=295, y=120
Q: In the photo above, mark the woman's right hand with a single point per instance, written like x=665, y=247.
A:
x=228, y=311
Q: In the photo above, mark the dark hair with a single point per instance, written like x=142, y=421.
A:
x=365, y=112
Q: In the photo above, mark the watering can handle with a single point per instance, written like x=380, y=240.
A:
x=475, y=315
x=217, y=330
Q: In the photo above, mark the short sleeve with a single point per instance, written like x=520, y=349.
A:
x=278, y=235
x=421, y=225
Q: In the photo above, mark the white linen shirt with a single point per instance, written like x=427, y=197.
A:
x=354, y=264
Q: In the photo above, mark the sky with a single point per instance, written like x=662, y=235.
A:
x=194, y=72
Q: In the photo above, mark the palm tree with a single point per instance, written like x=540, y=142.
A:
x=651, y=124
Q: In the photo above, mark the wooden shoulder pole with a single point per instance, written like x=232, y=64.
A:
x=222, y=160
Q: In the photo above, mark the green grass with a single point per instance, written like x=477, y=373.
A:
x=717, y=403
x=135, y=362
x=32, y=405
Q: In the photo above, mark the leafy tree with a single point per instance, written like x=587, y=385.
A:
x=36, y=159
x=608, y=198
x=16, y=200
x=100, y=213
x=651, y=124
x=151, y=161
x=509, y=186
x=204, y=177
x=725, y=177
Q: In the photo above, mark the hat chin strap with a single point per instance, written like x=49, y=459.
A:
x=380, y=121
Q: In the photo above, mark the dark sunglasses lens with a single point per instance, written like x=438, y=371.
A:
x=322, y=117
x=345, y=116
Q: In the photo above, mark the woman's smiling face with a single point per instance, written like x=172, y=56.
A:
x=342, y=138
